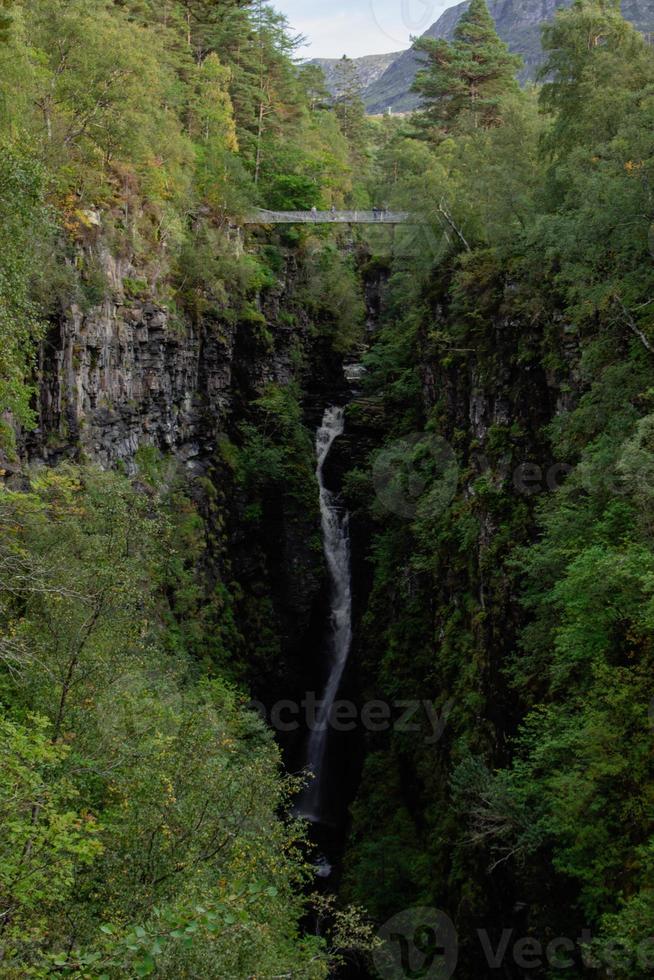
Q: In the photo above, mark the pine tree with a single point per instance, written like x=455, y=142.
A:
x=5, y=20
x=463, y=82
x=350, y=109
x=314, y=85
x=212, y=109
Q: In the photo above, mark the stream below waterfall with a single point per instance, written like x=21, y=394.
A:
x=336, y=546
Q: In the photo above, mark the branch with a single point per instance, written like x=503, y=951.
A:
x=633, y=326
x=442, y=210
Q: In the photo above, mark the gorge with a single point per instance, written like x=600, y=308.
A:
x=326, y=551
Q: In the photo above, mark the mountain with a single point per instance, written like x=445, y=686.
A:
x=518, y=23
x=369, y=68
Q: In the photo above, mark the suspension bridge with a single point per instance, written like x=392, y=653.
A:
x=263, y=217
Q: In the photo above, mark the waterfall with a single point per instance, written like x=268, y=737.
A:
x=336, y=544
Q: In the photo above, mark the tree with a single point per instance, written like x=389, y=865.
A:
x=44, y=838
x=290, y=192
x=219, y=173
x=104, y=96
x=313, y=82
x=140, y=799
x=5, y=19
x=464, y=82
x=350, y=109
x=600, y=156
x=213, y=112
x=23, y=224
x=596, y=61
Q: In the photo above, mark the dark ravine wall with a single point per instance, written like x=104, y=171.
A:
x=442, y=621
x=125, y=374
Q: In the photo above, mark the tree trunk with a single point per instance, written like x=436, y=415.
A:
x=257, y=167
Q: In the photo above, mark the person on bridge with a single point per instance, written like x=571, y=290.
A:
x=314, y=210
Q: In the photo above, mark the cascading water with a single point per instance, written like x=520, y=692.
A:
x=336, y=544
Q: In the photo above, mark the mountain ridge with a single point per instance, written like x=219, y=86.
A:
x=369, y=68
x=518, y=23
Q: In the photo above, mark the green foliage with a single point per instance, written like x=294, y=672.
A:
x=5, y=20
x=387, y=865
x=532, y=610
x=46, y=839
x=350, y=110
x=24, y=232
x=102, y=86
x=465, y=81
x=216, y=283
x=330, y=292
x=596, y=61
x=277, y=449
x=143, y=808
x=290, y=192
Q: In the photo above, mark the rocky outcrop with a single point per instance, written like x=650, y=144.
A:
x=127, y=374
x=121, y=377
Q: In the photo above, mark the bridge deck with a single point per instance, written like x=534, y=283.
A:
x=263, y=217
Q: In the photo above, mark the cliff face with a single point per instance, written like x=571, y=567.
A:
x=518, y=23
x=444, y=609
x=127, y=374
x=120, y=377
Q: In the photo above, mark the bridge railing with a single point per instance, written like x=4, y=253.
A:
x=264, y=217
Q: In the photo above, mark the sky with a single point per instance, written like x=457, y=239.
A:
x=357, y=27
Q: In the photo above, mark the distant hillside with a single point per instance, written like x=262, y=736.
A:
x=518, y=23
x=369, y=69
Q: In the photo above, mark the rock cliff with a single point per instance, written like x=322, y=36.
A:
x=128, y=373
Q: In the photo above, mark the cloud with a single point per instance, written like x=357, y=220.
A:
x=360, y=26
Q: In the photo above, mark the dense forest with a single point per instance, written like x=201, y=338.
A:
x=163, y=369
